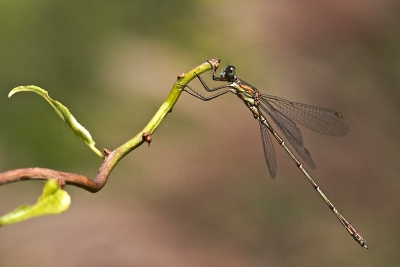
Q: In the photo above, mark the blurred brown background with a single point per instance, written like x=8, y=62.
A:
x=201, y=194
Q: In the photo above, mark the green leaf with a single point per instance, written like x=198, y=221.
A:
x=63, y=113
x=54, y=200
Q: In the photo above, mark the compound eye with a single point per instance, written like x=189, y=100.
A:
x=230, y=71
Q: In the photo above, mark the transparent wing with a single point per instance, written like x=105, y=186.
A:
x=318, y=119
x=290, y=131
x=290, y=126
x=269, y=152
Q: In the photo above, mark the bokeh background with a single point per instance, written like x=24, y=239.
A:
x=201, y=194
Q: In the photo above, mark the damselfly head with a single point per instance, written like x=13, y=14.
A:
x=229, y=73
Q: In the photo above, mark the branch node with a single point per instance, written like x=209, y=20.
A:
x=147, y=138
x=106, y=152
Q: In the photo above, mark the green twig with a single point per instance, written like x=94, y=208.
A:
x=112, y=158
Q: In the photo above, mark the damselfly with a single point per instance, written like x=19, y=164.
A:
x=284, y=114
